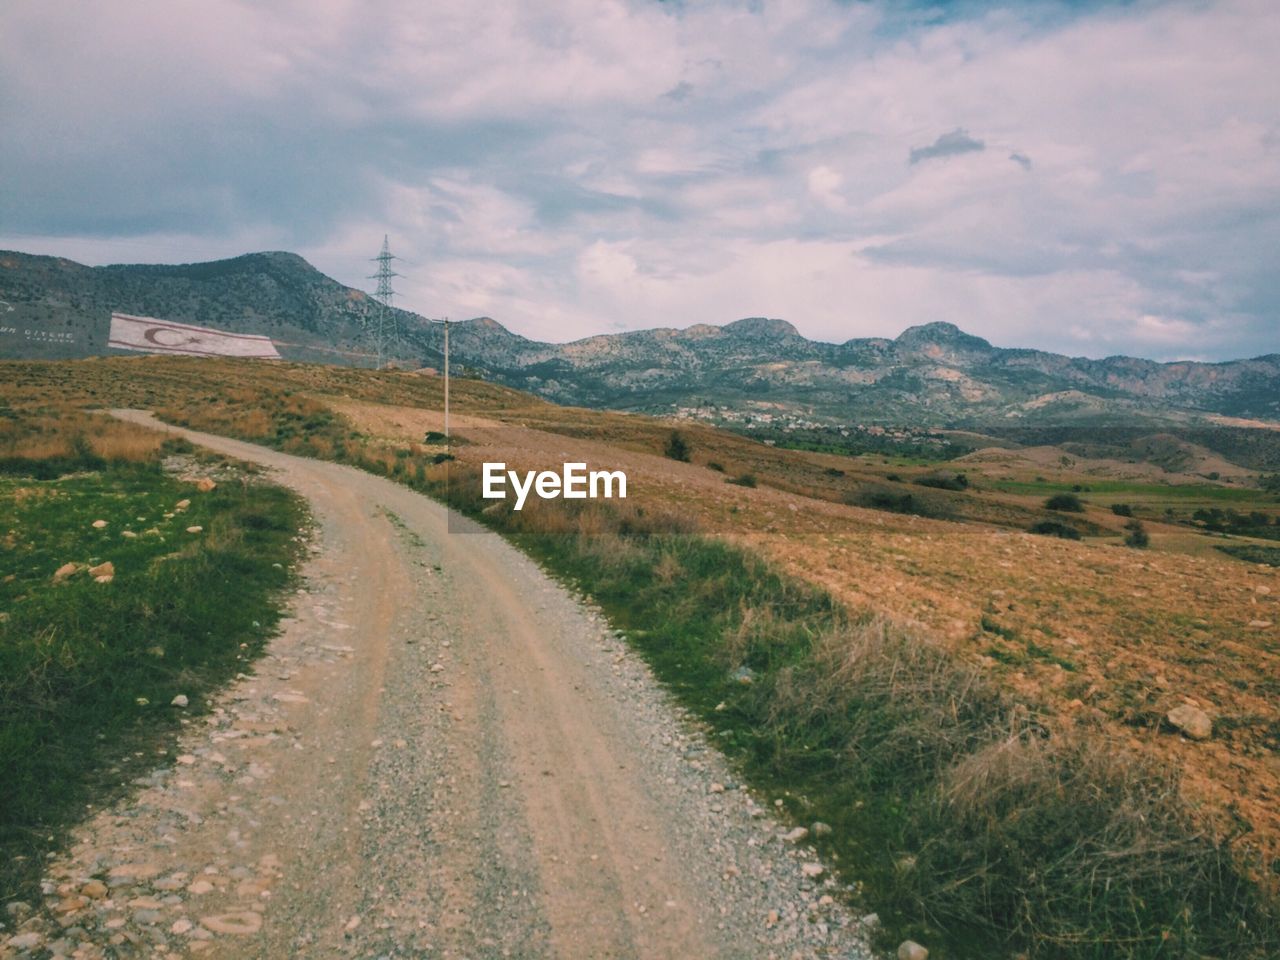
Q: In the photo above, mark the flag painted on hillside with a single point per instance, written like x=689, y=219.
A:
x=149, y=335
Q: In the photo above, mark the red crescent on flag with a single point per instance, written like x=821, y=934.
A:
x=152, y=332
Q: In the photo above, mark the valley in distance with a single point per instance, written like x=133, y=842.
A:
x=981, y=641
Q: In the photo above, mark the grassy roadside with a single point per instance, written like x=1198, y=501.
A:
x=968, y=823
x=89, y=667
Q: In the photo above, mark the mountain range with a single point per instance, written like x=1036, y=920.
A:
x=934, y=374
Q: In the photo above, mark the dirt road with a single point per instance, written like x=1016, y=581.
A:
x=444, y=754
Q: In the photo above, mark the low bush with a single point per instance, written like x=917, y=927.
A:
x=897, y=501
x=1267, y=556
x=944, y=481
x=1137, y=536
x=677, y=447
x=1065, y=502
x=1054, y=528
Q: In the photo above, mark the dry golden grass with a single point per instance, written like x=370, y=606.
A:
x=66, y=432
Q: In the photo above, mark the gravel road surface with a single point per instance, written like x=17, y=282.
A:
x=444, y=754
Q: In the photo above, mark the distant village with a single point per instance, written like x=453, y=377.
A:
x=787, y=422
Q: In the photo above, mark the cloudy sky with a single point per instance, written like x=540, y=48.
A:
x=1088, y=177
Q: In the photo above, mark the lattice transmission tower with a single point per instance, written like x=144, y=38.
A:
x=382, y=329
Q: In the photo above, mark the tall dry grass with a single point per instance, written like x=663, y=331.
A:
x=1061, y=838
x=67, y=439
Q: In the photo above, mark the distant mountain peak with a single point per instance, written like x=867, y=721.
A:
x=941, y=334
x=761, y=328
x=487, y=323
x=938, y=330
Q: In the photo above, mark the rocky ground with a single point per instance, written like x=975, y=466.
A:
x=444, y=754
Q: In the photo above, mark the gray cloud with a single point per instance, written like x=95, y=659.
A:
x=584, y=164
x=950, y=144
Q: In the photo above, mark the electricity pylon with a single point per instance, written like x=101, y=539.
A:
x=384, y=329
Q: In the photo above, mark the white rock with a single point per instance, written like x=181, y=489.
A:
x=195, y=529
x=99, y=524
x=1192, y=721
x=813, y=870
x=179, y=701
x=910, y=950
x=796, y=835
x=64, y=571
x=240, y=922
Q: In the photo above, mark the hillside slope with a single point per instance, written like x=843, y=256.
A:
x=752, y=370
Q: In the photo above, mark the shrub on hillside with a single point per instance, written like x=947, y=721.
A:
x=677, y=447
x=944, y=481
x=1122, y=510
x=1053, y=528
x=894, y=501
x=1066, y=502
x=1137, y=536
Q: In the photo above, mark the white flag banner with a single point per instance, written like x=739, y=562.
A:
x=150, y=335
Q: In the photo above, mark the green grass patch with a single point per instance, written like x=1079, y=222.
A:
x=989, y=625
x=1139, y=492
x=88, y=669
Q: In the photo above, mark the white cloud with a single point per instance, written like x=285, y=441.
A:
x=580, y=165
x=824, y=186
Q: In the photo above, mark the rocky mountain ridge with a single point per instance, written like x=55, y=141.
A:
x=751, y=368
